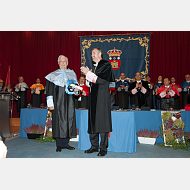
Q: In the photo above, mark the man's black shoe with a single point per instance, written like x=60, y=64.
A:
x=91, y=150
x=102, y=153
x=70, y=147
x=58, y=149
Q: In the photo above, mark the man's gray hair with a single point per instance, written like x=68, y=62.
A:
x=20, y=77
x=62, y=56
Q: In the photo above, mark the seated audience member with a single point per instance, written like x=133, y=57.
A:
x=3, y=148
x=177, y=104
x=122, y=92
x=4, y=89
x=21, y=90
x=167, y=93
x=149, y=99
x=158, y=84
x=36, y=91
x=139, y=91
x=186, y=91
x=133, y=80
x=82, y=99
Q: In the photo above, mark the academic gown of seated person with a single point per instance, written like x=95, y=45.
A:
x=177, y=103
x=149, y=99
x=22, y=92
x=139, y=98
x=36, y=99
x=122, y=94
x=167, y=97
x=185, y=94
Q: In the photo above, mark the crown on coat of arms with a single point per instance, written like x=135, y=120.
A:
x=114, y=52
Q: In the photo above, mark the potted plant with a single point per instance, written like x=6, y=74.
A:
x=147, y=137
x=34, y=131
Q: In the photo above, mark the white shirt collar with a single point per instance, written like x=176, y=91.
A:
x=139, y=81
x=159, y=81
x=95, y=65
x=167, y=86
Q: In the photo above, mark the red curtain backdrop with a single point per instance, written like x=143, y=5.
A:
x=34, y=54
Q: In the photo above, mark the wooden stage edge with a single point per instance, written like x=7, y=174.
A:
x=15, y=125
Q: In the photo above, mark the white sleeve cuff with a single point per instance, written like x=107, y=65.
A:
x=90, y=76
x=50, y=101
x=143, y=90
x=163, y=94
x=134, y=91
x=171, y=93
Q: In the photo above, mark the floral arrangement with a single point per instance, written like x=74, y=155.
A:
x=172, y=127
x=47, y=137
x=34, y=129
x=146, y=133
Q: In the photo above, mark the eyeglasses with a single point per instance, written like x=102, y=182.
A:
x=1, y=82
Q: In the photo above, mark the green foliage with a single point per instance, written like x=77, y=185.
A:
x=161, y=131
x=166, y=116
x=47, y=138
x=178, y=124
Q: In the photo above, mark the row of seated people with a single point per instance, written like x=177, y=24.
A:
x=21, y=89
x=141, y=92
x=166, y=92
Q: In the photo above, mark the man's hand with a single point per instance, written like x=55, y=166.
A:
x=76, y=90
x=51, y=108
x=140, y=85
x=84, y=70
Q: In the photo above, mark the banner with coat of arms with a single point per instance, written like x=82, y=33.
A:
x=126, y=54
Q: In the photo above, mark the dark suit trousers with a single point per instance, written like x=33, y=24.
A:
x=62, y=142
x=94, y=139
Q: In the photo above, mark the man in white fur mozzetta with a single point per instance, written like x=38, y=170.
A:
x=21, y=90
x=60, y=99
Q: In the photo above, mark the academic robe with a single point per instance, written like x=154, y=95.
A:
x=83, y=102
x=99, y=112
x=149, y=98
x=168, y=99
x=185, y=94
x=122, y=95
x=157, y=101
x=177, y=103
x=36, y=99
x=22, y=101
x=139, y=99
x=63, y=115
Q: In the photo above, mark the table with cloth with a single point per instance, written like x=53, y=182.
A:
x=125, y=124
x=31, y=116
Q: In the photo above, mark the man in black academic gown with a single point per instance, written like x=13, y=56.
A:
x=186, y=91
x=61, y=101
x=149, y=99
x=99, y=112
x=21, y=90
x=139, y=91
x=122, y=92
